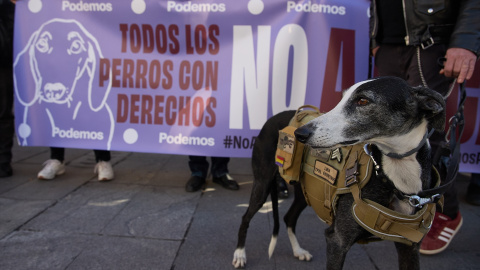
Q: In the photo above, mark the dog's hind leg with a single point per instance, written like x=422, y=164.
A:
x=258, y=197
x=276, y=222
x=408, y=256
x=297, y=207
x=264, y=170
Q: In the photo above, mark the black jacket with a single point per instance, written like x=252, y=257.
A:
x=454, y=22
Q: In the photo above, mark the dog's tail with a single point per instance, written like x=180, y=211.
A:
x=276, y=221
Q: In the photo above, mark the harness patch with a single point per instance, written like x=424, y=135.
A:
x=351, y=175
x=321, y=154
x=337, y=155
x=286, y=142
x=279, y=161
x=325, y=171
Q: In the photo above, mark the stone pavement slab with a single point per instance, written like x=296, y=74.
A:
x=40, y=249
x=14, y=213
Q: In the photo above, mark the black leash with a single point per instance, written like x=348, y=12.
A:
x=450, y=150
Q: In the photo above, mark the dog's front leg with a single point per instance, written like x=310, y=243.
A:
x=408, y=256
x=342, y=234
x=338, y=245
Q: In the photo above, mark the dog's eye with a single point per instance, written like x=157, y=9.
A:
x=362, y=101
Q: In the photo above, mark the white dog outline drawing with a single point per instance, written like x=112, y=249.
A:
x=62, y=57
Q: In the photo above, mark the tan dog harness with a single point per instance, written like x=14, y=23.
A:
x=326, y=174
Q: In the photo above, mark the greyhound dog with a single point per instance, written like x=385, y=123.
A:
x=388, y=114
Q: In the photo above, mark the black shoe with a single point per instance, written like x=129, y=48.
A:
x=282, y=188
x=226, y=181
x=195, y=183
x=473, y=194
x=5, y=170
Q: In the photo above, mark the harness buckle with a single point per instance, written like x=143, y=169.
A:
x=414, y=201
x=418, y=202
x=452, y=122
x=427, y=43
x=427, y=226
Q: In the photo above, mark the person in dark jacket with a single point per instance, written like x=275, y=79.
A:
x=430, y=43
x=7, y=11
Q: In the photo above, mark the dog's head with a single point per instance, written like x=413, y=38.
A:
x=373, y=110
x=56, y=56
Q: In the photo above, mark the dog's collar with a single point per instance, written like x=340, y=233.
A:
x=414, y=150
x=415, y=200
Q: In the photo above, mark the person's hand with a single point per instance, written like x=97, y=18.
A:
x=374, y=50
x=459, y=64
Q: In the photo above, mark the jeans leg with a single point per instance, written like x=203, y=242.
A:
x=219, y=166
x=198, y=166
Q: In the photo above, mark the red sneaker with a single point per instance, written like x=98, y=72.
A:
x=441, y=234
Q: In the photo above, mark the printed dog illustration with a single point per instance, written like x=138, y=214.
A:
x=384, y=112
x=58, y=79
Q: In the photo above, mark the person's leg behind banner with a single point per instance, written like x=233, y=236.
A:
x=220, y=173
x=103, y=167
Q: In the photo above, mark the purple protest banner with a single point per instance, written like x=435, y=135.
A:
x=179, y=77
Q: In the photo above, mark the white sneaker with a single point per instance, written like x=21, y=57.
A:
x=51, y=168
x=104, y=170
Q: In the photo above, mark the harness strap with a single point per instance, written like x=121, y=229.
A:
x=299, y=118
x=388, y=224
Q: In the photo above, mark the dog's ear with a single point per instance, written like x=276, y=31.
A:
x=97, y=95
x=27, y=87
x=432, y=105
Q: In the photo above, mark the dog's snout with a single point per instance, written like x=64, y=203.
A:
x=302, y=134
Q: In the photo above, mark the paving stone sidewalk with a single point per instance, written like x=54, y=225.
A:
x=144, y=219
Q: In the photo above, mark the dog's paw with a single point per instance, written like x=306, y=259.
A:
x=239, y=258
x=302, y=254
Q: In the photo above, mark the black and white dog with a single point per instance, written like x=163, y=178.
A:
x=385, y=112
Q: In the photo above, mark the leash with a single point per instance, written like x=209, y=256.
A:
x=449, y=152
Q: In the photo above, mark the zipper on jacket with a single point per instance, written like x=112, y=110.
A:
x=407, y=38
x=375, y=20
